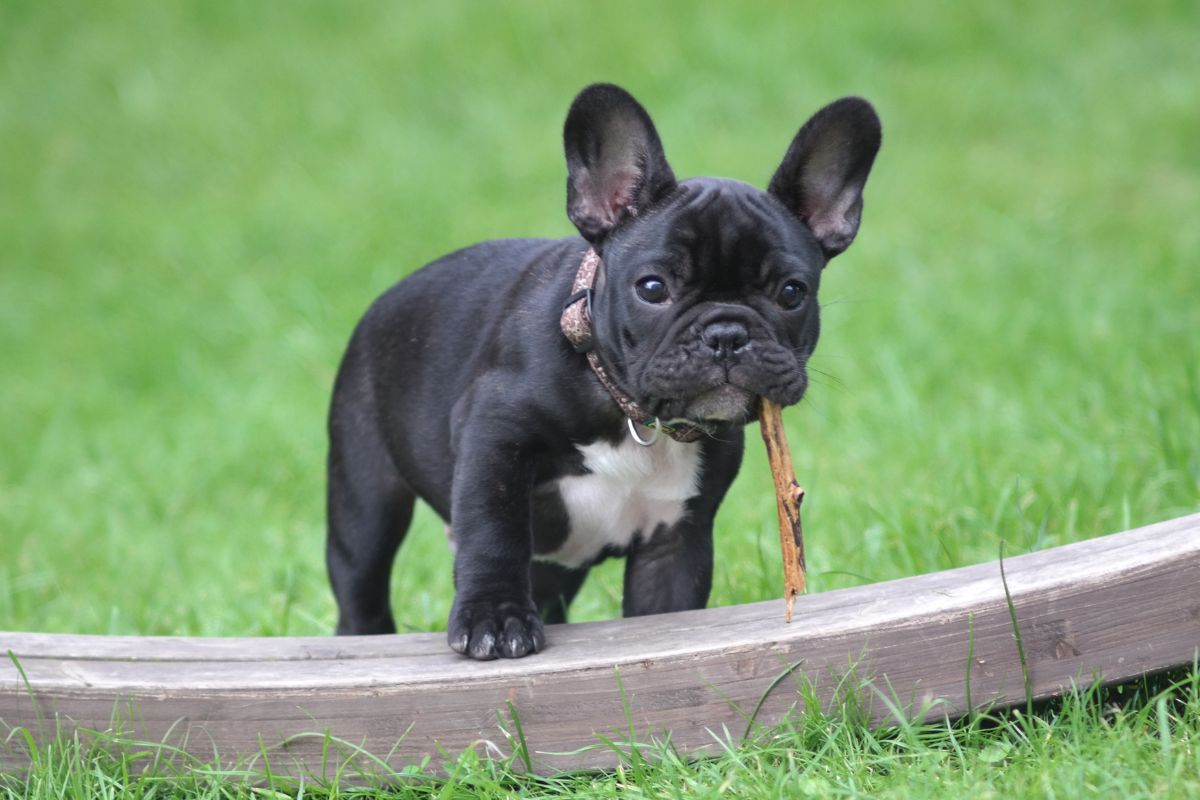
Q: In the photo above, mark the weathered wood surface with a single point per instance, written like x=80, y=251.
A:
x=1114, y=608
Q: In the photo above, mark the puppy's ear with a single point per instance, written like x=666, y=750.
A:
x=615, y=162
x=823, y=173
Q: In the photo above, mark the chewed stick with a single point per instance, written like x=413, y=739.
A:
x=788, y=496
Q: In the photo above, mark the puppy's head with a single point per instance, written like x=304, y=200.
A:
x=707, y=299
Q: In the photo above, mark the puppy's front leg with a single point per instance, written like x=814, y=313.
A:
x=670, y=571
x=493, y=613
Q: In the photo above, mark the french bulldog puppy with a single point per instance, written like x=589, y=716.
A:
x=558, y=402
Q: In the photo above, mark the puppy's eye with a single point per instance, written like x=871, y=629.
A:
x=792, y=294
x=652, y=289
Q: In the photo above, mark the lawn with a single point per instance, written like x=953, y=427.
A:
x=198, y=200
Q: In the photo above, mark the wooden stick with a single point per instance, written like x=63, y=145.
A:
x=788, y=496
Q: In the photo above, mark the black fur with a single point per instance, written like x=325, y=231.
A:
x=459, y=388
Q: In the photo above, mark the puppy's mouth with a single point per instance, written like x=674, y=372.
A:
x=720, y=407
x=687, y=383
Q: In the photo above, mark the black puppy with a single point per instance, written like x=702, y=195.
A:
x=558, y=402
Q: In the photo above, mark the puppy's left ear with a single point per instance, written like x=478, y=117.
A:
x=823, y=173
x=615, y=162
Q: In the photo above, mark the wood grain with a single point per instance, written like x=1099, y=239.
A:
x=1110, y=608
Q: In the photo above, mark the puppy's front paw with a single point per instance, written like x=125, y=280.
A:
x=483, y=629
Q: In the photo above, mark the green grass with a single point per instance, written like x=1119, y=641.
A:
x=197, y=200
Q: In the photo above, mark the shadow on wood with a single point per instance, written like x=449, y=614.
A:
x=1110, y=608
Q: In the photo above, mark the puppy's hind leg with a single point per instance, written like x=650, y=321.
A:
x=369, y=510
x=554, y=587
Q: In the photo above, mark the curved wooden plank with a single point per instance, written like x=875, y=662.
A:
x=1112, y=608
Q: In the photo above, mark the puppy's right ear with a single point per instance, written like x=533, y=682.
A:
x=615, y=162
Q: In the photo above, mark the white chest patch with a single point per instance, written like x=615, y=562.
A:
x=630, y=489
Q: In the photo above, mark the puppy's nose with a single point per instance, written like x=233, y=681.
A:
x=725, y=338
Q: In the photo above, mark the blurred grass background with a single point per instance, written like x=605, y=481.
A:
x=198, y=200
